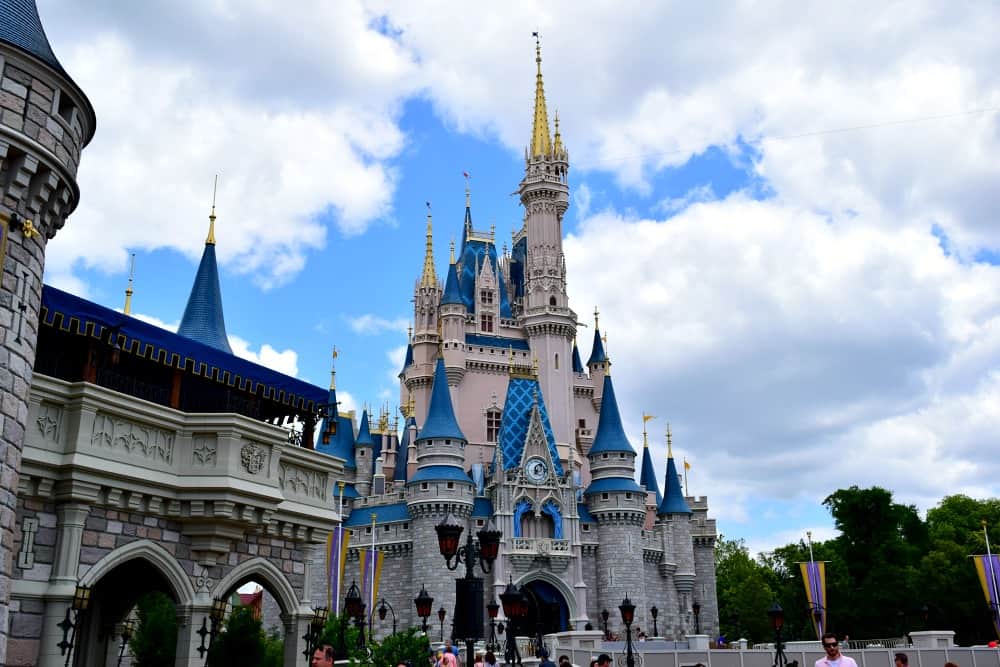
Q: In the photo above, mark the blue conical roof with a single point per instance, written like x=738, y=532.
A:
x=440, y=422
x=577, y=364
x=341, y=441
x=673, y=497
x=610, y=432
x=452, y=293
x=597, y=355
x=408, y=361
x=21, y=27
x=399, y=474
x=203, y=320
x=647, y=476
x=364, y=432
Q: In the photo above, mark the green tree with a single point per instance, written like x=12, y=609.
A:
x=274, y=649
x=154, y=642
x=409, y=645
x=241, y=642
x=744, y=592
x=341, y=633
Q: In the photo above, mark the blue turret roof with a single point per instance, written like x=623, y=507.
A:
x=341, y=442
x=597, y=355
x=577, y=364
x=613, y=485
x=440, y=422
x=203, y=320
x=362, y=516
x=399, y=474
x=452, y=294
x=610, y=432
x=408, y=361
x=522, y=394
x=673, y=497
x=364, y=433
x=21, y=27
x=647, y=476
x=440, y=473
x=474, y=253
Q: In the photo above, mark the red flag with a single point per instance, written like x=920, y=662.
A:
x=466, y=174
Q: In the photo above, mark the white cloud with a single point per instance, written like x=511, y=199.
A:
x=671, y=205
x=820, y=533
x=374, y=325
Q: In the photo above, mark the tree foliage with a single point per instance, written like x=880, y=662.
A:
x=888, y=572
x=242, y=642
x=154, y=641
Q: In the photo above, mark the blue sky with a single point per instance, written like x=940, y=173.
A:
x=809, y=309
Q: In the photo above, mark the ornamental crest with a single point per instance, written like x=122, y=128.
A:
x=252, y=458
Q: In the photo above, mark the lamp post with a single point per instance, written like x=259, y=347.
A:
x=216, y=615
x=78, y=607
x=492, y=609
x=605, y=614
x=384, y=607
x=468, y=614
x=627, y=610
x=696, y=610
x=654, y=612
x=314, y=630
x=777, y=616
x=356, y=610
x=424, y=603
x=515, y=607
x=127, y=628
x=442, y=612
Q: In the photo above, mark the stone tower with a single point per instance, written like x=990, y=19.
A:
x=548, y=320
x=45, y=122
x=426, y=333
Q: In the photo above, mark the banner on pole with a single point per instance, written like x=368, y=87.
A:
x=988, y=569
x=368, y=560
x=814, y=578
x=336, y=558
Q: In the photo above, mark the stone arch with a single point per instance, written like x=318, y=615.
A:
x=268, y=573
x=156, y=556
x=542, y=575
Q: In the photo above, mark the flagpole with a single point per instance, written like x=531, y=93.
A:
x=371, y=590
x=340, y=550
x=993, y=578
x=816, y=604
x=685, y=476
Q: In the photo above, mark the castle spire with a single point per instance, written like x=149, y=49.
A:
x=541, y=144
x=429, y=278
x=128, y=290
x=647, y=475
x=673, y=498
x=333, y=368
x=210, y=239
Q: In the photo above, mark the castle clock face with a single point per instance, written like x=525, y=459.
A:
x=536, y=469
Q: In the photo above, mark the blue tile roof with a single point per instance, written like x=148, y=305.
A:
x=341, y=443
x=21, y=27
x=441, y=422
x=613, y=485
x=472, y=256
x=585, y=515
x=482, y=508
x=597, y=355
x=518, y=260
x=203, y=320
x=362, y=516
x=673, y=497
x=81, y=317
x=364, y=438
x=440, y=473
x=610, y=432
x=399, y=474
x=408, y=361
x=349, y=492
x=647, y=475
x=452, y=294
x=496, y=341
x=577, y=364
x=517, y=406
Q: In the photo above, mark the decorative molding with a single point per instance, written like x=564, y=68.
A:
x=132, y=438
x=49, y=420
x=301, y=481
x=205, y=451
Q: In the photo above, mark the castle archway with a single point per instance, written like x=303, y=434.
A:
x=548, y=610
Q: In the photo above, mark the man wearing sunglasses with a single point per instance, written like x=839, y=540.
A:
x=833, y=657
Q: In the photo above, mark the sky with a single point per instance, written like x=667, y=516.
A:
x=785, y=211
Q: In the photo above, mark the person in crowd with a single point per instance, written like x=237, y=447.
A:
x=322, y=656
x=604, y=660
x=833, y=657
x=902, y=660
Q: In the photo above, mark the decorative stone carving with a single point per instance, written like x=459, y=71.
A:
x=300, y=481
x=253, y=458
x=204, y=453
x=203, y=582
x=132, y=438
x=49, y=418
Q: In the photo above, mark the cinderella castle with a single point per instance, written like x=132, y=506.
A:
x=136, y=459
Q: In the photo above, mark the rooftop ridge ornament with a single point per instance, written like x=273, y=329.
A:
x=333, y=368
x=429, y=277
x=128, y=290
x=645, y=436
x=541, y=143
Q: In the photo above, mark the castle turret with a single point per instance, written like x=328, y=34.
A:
x=45, y=123
x=548, y=320
x=203, y=320
x=619, y=506
x=364, y=450
x=452, y=314
x=598, y=364
x=674, y=523
x=647, y=477
x=426, y=335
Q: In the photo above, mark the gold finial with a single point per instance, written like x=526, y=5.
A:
x=670, y=443
x=128, y=290
x=597, y=321
x=211, y=216
x=645, y=437
x=411, y=406
x=451, y=259
x=541, y=144
x=409, y=333
x=604, y=339
x=534, y=366
x=429, y=278
x=468, y=190
x=557, y=147
x=333, y=368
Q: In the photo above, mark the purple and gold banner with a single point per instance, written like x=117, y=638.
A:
x=368, y=560
x=988, y=569
x=336, y=558
x=814, y=577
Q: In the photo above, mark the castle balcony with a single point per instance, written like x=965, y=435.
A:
x=527, y=552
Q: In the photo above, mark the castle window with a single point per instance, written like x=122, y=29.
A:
x=424, y=486
x=557, y=361
x=586, y=527
x=492, y=425
x=387, y=529
x=406, y=526
x=480, y=523
x=451, y=485
x=604, y=496
x=582, y=423
x=552, y=301
x=604, y=456
x=628, y=496
x=486, y=322
x=368, y=530
x=486, y=297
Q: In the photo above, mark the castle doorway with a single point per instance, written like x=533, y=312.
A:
x=547, y=609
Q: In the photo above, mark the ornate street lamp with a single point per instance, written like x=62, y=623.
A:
x=492, y=609
x=442, y=612
x=424, y=603
x=468, y=615
x=78, y=607
x=627, y=610
x=126, y=629
x=605, y=614
x=777, y=616
x=385, y=607
x=356, y=610
x=654, y=612
x=515, y=607
x=696, y=610
x=314, y=630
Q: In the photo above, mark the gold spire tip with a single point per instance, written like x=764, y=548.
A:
x=670, y=443
x=451, y=259
x=128, y=290
x=333, y=368
x=210, y=240
x=429, y=277
x=541, y=143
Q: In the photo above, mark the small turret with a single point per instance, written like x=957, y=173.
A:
x=647, y=475
x=364, y=449
x=203, y=319
x=673, y=498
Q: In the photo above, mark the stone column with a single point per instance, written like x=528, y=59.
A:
x=71, y=518
x=189, y=639
x=296, y=626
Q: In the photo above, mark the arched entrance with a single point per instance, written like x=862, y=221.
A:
x=547, y=608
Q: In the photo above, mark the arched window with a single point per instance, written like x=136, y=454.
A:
x=492, y=425
x=557, y=361
x=552, y=301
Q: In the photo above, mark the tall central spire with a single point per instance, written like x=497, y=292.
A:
x=429, y=278
x=541, y=143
